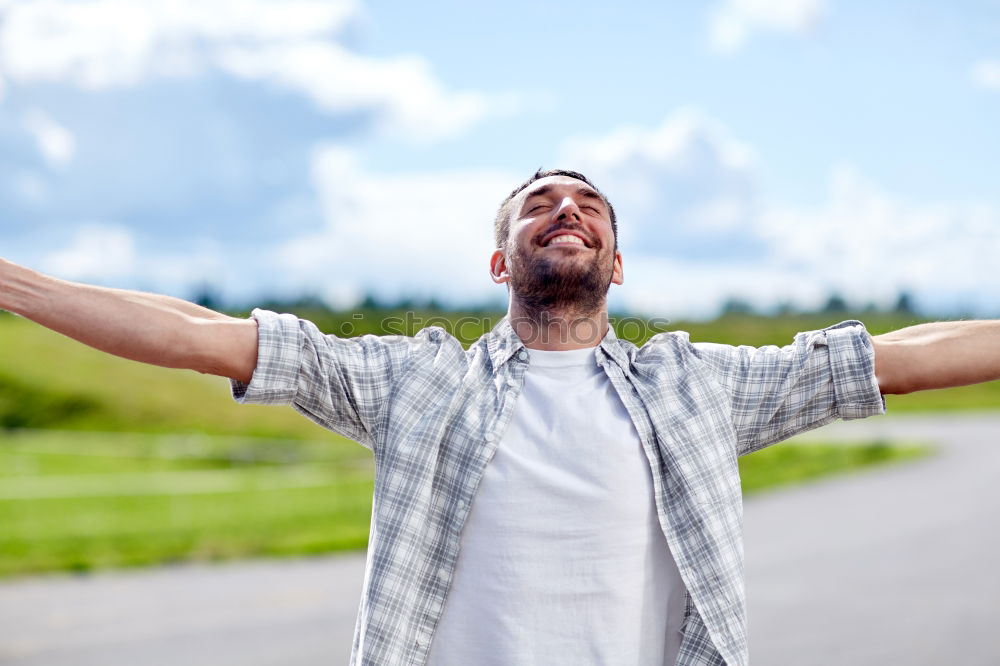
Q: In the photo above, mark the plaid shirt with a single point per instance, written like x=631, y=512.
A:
x=433, y=414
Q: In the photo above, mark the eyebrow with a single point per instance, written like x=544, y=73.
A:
x=585, y=192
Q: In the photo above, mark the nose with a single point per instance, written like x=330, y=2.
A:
x=567, y=209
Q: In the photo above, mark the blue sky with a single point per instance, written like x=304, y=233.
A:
x=770, y=150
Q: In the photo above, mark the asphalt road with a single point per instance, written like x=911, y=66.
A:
x=888, y=566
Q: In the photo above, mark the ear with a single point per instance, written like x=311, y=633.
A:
x=498, y=267
x=617, y=276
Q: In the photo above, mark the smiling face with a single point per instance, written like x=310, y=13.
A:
x=560, y=252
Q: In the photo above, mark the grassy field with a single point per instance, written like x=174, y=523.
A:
x=80, y=501
x=105, y=462
x=48, y=381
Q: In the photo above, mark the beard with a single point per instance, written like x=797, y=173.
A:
x=560, y=283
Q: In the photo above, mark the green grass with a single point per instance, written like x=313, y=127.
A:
x=49, y=381
x=73, y=501
x=81, y=501
x=792, y=463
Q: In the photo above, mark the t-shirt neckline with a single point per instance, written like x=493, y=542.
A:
x=563, y=359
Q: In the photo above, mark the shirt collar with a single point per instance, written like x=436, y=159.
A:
x=502, y=343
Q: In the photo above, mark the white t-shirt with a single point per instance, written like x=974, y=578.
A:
x=562, y=558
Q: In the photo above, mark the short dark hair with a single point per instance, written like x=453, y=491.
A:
x=501, y=226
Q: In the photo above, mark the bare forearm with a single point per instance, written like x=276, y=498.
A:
x=937, y=355
x=150, y=328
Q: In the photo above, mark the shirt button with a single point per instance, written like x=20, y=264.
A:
x=490, y=437
x=523, y=355
x=461, y=504
x=443, y=574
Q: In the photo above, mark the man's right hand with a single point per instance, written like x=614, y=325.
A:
x=149, y=328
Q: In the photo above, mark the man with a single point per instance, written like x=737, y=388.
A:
x=553, y=495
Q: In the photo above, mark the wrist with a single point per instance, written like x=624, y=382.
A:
x=5, y=285
x=21, y=289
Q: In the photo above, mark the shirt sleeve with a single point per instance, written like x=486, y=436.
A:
x=779, y=392
x=340, y=383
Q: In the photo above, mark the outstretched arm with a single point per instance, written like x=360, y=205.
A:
x=937, y=355
x=143, y=327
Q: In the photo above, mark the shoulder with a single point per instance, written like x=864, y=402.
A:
x=430, y=344
x=670, y=343
x=672, y=349
x=435, y=339
x=668, y=340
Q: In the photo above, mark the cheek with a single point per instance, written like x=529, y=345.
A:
x=522, y=237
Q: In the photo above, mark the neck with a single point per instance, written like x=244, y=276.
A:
x=557, y=330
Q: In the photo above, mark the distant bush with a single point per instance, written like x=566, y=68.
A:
x=26, y=406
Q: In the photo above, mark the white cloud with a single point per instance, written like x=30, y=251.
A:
x=686, y=185
x=418, y=234
x=402, y=90
x=108, y=43
x=986, y=74
x=103, y=253
x=696, y=229
x=859, y=242
x=869, y=245
x=55, y=142
x=733, y=22
x=675, y=288
x=97, y=253
x=290, y=45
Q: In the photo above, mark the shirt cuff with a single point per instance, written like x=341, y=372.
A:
x=279, y=348
x=852, y=361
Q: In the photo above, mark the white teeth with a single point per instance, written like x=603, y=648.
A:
x=565, y=238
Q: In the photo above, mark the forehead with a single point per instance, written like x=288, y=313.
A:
x=556, y=186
